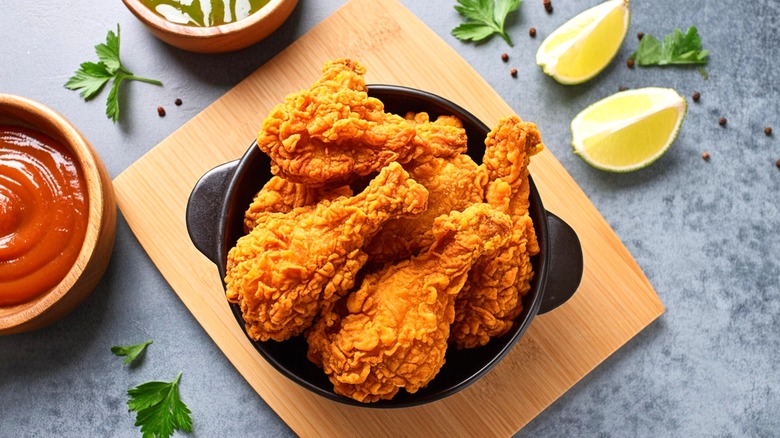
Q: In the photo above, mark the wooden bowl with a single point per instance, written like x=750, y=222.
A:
x=98, y=243
x=215, y=39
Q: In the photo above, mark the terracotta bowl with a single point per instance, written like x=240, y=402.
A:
x=215, y=39
x=98, y=243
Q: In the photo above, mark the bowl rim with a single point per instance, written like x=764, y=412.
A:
x=24, y=112
x=158, y=22
x=523, y=321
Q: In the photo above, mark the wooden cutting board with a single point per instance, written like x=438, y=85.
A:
x=614, y=302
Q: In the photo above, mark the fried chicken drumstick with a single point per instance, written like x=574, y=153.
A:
x=392, y=332
x=334, y=131
x=492, y=297
x=293, y=264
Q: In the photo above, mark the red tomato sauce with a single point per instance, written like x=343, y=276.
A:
x=43, y=213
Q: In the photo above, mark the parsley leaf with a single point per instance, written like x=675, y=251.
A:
x=91, y=77
x=131, y=352
x=108, y=53
x=112, y=104
x=677, y=48
x=484, y=18
x=159, y=409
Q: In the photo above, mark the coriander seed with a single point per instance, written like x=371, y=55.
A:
x=513, y=72
x=177, y=102
x=161, y=111
x=768, y=131
x=696, y=96
x=640, y=35
x=705, y=156
x=532, y=32
x=504, y=57
x=722, y=121
x=777, y=163
x=548, y=6
x=630, y=63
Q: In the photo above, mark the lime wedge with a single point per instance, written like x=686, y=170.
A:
x=628, y=130
x=581, y=48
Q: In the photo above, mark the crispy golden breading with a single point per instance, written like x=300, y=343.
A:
x=492, y=297
x=292, y=264
x=453, y=184
x=443, y=137
x=394, y=329
x=333, y=131
x=279, y=195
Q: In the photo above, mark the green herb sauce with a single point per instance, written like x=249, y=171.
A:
x=204, y=13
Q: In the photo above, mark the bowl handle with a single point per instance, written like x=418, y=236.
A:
x=565, y=261
x=203, y=207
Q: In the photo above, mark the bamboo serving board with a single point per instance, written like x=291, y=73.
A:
x=614, y=302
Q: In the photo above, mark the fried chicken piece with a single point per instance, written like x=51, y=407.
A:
x=394, y=328
x=453, y=184
x=493, y=295
x=334, y=131
x=292, y=264
x=279, y=195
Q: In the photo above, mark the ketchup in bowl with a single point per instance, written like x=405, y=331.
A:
x=43, y=213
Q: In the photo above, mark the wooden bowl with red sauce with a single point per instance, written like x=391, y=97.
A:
x=57, y=216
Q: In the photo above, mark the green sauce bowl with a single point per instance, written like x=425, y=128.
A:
x=219, y=38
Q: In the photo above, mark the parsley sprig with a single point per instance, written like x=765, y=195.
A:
x=159, y=410
x=91, y=77
x=484, y=18
x=130, y=352
x=677, y=48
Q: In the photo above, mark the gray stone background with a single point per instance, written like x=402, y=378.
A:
x=705, y=233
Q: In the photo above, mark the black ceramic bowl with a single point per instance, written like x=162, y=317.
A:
x=215, y=222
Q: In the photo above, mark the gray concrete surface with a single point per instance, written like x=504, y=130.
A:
x=705, y=233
